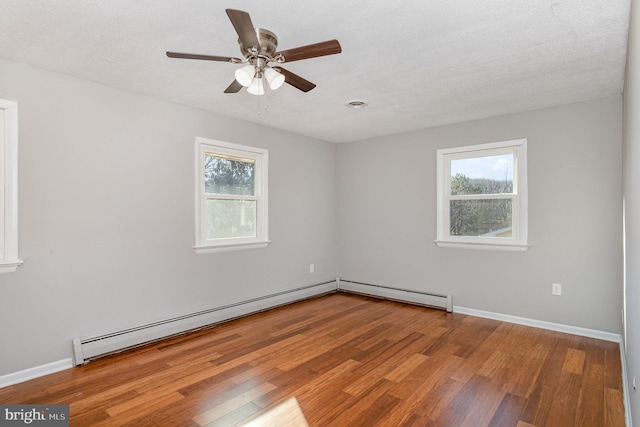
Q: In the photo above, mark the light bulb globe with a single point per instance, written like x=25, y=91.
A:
x=245, y=75
x=274, y=78
x=256, y=87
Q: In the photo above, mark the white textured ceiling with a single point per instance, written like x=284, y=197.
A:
x=418, y=63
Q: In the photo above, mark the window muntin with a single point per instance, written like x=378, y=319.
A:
x=482, y=196
x=232, y=196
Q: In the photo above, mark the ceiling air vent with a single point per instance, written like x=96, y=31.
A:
x=357, y=103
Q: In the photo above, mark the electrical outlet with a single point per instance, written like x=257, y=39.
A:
x=312, y=268
x=556, y=289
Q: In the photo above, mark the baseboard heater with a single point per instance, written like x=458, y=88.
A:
x=88, y=348
x=444, y=302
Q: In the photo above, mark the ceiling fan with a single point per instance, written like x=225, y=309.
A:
x=259, y=48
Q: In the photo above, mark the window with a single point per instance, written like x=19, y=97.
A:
x=231, y=199
x=9, y=261
x=482, y=196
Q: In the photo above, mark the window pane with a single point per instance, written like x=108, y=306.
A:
x=481, y=218
x=227, y=175
x=231, y=218
x=482, y=175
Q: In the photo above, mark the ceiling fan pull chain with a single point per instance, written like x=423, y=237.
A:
x=265, y=100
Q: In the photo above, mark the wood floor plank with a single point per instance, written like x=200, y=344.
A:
x=375, y=411
x=574, y=361
x=237, y=416
x=334, y=405
x=439, y=398
x=215, y=391
x=219, y=411
x=386, y=362
x=508, y=413
x=286, y=414
x=592, y=392
x=565, y=402
x=157, y=384
x=612, y=365
x=406, y=366
x=614, y=412
x=426, y=377
x=540, y=400
x=347, y=360
x=470, y=407
x=139, y=409
x=142, y=401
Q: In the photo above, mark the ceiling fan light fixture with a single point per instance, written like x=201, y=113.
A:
x=245, y=75
x=256, y=87
x=274, y=78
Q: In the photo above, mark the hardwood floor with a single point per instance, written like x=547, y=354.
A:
x=346, y=360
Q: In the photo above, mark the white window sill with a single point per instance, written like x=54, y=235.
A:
x=10, y=266
x=230, y=247
x=483, y=246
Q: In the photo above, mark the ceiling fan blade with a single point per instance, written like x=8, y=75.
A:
x=203, y=57
x=330, y=47
x=234, y=87
x=241, y=21
x=295, y=80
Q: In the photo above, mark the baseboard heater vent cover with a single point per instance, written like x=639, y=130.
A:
x=88, y=348
x=444, y=302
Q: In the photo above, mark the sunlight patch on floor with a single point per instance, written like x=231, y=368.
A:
x=286, y=414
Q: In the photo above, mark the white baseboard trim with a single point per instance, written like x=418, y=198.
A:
x=38, y=371
x=625, y=386
x=558, y=327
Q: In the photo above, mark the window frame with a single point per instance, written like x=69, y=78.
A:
x=9, y=261
x=519, y=239
x=261, y=158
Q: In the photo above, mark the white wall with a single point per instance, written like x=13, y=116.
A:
x=107, y=219
x=387, y=220
x=632, y=207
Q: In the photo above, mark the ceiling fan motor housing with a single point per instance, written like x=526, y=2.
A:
x=268, y=44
